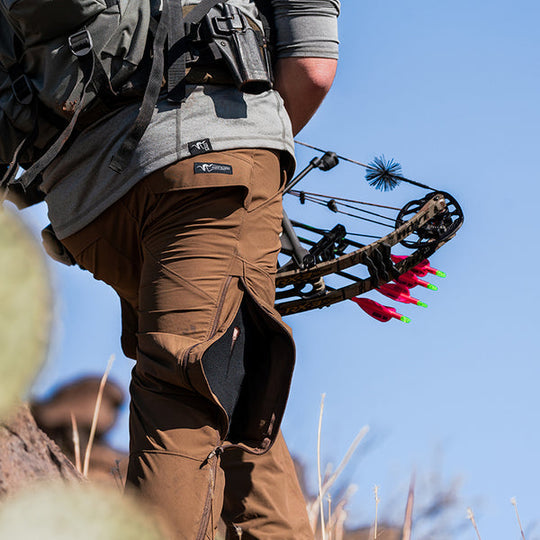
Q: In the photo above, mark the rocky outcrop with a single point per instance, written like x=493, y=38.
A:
x=383, y=533
x=28, y=456
x=53, y=415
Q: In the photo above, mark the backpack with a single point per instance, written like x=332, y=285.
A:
x=63, y=62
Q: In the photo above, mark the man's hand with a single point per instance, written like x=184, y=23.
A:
x=303, y=83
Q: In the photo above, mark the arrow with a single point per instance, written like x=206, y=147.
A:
x=400, y=293
x=422, y=268
x=410, y=280
x=378, y=311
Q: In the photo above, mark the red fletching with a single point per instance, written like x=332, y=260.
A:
x=378, y=311
x=399, y=293
x=410, y=280
x=421, y=269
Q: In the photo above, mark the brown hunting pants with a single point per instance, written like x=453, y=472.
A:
x=191, y=250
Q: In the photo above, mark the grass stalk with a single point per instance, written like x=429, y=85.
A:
x=407, y=524
x=315, y=505
x=76, y=442
x=470, y=515
x=117, y=475
x=336, y=520
x=320, y=497
x=514, y=503
x=377, y=501
x=329, y=528
x=354, y=445
x=96, y=416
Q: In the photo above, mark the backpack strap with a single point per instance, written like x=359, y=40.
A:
x=177, y=52
x=81, y=45
x=266, y=14
x=172, y=25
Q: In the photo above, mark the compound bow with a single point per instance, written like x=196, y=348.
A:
x=422, y=226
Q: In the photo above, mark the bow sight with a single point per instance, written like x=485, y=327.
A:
x=314, y=256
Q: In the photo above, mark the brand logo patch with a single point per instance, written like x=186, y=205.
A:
x=199, y=147
x=208, y=168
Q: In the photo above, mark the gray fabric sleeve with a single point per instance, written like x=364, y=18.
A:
x=306, y=28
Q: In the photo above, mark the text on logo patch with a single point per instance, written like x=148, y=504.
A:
x=212, y=168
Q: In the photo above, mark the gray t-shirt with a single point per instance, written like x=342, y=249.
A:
x=79, y=184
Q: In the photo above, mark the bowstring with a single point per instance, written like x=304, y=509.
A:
x=323, y=200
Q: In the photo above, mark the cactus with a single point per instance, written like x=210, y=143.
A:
x=62, y=512
x=25, y=309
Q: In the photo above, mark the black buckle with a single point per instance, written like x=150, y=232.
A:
x=81, y=43
x=22, y=89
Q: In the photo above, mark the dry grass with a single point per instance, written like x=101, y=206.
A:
x=76, y=442
x=470, y=515
x=514, y=504
x=407, y=524
x=332, y=527
x=96, y=416
x=377, y=501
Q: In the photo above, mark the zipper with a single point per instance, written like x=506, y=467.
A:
x=235, y=336
x=213, y=329
x=207, y=510
x=220, y=307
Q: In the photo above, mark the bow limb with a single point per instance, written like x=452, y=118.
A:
x=357, y=288
x=433, y=207
x=429, y=210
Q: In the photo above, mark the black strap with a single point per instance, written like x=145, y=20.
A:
x=200, y=10
x=151, y=94
x=123, y=156
x=177, y=51
x=178, y=45
x=266, y=15
x=87, y=66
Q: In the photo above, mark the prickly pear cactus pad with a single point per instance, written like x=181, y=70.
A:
x=25, y=309
x=61, y=512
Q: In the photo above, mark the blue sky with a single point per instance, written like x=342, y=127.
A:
x=451, y=91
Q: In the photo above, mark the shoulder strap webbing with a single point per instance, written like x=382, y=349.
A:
x=174, y=28
x=87, y=63
x=176, y=53
x=266, y=13
x=93, y=73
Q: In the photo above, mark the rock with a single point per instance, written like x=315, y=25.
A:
x=79, y=397
x=383, y=533
x=28, y=456
x=108, y=466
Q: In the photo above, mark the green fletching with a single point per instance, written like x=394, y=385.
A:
x=421, y=304
x=440, y=273
x=432, y=287
x=405, y=319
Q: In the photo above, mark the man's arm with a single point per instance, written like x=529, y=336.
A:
x=303, y=83
x=306, y=46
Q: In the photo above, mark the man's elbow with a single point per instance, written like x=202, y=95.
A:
x=314, y=74
x=320, y=73
x=303, y=83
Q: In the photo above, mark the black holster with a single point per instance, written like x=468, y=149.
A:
x=239, y=42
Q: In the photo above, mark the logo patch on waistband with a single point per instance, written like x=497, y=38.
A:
x=199, y=147
x=212, y=168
